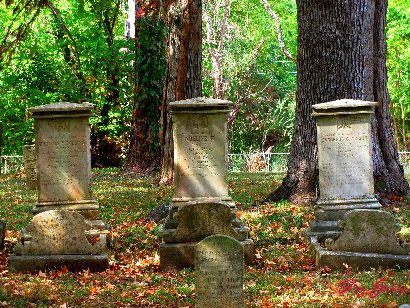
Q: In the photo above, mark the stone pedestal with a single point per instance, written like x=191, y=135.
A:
x=345, y=163
x=54, y=239
x=368, y=240
x=64, y=161
x=201, y=206
x=30, y=166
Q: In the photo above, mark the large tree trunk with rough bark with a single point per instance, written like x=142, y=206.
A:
x=143, y=155
x=183, y=73
x=341, y=54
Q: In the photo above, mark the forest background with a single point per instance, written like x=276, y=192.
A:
x=80, y=51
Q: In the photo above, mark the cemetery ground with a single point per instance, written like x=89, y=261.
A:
x=284, y=274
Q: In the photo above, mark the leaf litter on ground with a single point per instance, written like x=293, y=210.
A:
x=283, y=275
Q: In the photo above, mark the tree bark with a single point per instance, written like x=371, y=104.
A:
x=341, y=54
x=143, y=155
x=183, y=72
x=388, y=172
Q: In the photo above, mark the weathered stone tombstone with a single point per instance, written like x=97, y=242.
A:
x=64, y=161
x=2, y=233
x=219, y=264
x=30, y=166
x=65, y=212
x=54, y=239
x=349, y=227
x=201, y=206
x=345, y=163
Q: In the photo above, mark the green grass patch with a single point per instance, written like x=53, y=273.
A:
x=284, y=273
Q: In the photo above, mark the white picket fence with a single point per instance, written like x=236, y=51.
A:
x=258, y=162
x=253, y=162
x=277, y=162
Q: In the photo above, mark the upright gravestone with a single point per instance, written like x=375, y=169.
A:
x=349, y=227
x=64, y=161
x=219, y=266
x=201, y=206
x=345, y=163
x=30, y=166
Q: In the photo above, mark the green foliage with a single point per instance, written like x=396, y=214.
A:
x=257, y=75
x=150, y=71
x=62, y=59
x=398, y=64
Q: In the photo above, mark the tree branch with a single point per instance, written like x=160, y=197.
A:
x=278, y=30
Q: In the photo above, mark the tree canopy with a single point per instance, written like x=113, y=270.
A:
x=78, y=51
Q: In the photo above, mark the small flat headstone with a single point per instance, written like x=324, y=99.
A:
x=57, y=233
x=370, y=231
x=219, y=273
x=2, y=233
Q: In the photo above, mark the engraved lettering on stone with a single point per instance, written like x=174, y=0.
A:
x=63, y=167
x=345, y=161
x=200, y=166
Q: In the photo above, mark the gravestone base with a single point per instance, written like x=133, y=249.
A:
x=74, y=263
x=329, y=212
x=357, y=260
x=171, y=224
x=368, y=239
x=55, y=239
x=89, y=209
x=195, y=219
x=182, y=255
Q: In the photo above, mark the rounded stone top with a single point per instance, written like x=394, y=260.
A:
x=343, y=106
x=201, y=104
x=63, y=109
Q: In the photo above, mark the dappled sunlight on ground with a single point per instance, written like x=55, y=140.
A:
x=284, y=274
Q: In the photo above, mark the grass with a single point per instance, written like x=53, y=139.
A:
x=284, y=274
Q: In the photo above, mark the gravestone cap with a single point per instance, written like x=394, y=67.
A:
x=63, y=108
x=199, y=104
x=343, y=106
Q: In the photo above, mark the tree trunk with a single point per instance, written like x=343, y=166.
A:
x=183, y=72
x=341, y=54
x=143, y=154
x=389, y=174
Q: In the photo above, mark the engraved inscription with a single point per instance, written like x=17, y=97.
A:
x=200, y=165
x=64, y=168
x=344, y=157
x=198, y=156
